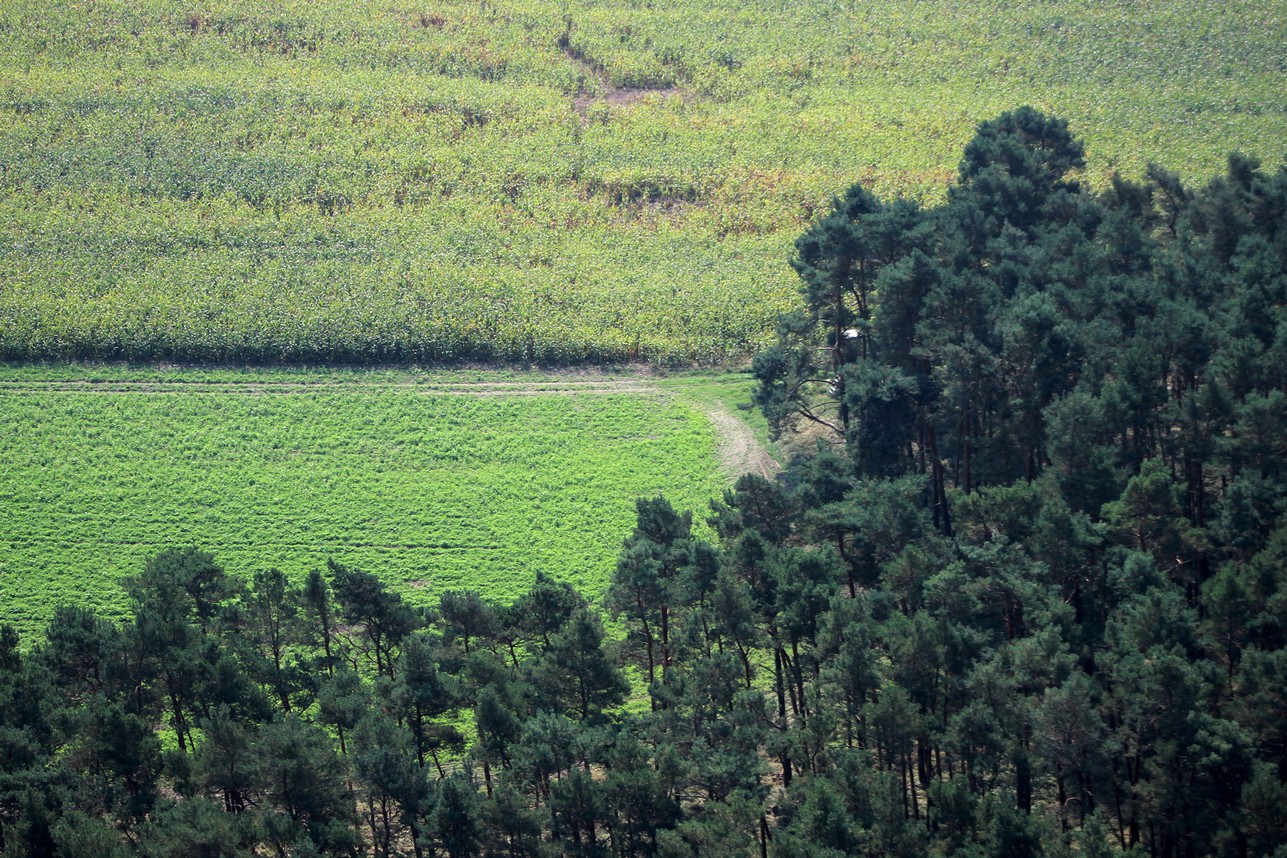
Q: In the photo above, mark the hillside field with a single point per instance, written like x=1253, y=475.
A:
x=445, y=481
x=344, y=181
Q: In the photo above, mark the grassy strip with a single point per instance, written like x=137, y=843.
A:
x=431, y=491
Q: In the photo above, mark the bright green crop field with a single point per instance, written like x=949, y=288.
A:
x=344, y=180
x=434, y=482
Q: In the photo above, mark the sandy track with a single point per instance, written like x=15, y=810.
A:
x=740, y=452
x=738, y=449
x=463, y=388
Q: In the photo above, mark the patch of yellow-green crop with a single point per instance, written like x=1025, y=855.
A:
x=335, y=180
x=433, y=482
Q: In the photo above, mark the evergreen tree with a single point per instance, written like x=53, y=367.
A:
x=576, y=675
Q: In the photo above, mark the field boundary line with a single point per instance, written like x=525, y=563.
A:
x=738, y=449
x=481, y=388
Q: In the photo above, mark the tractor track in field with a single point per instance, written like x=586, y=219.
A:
x=463, y=388
x=738, y=449
x=740, y=452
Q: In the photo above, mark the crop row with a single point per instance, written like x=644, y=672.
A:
x=375, y=290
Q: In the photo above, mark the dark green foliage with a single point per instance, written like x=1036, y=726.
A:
x=195, y=827
x=498, y=730
x=421, y=697
x=378, y=615
x=341, y=701
x=575, y=674
x=272, y=614
x=542, y=610
x=1080, y=384
x=298, y=771
x=455, y=819
x=228, y=763
x=467, y=618
x=391, y=781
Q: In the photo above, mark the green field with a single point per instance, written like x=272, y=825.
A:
x=352, y=181
x=467, y=480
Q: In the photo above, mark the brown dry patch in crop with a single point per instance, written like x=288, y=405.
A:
x=620, y=97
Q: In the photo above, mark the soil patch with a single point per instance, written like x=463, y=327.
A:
x=740, y=452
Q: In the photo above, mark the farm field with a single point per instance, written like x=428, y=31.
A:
x=534, y=181
x=433, y=481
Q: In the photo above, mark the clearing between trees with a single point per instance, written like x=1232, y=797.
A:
x=464, y=480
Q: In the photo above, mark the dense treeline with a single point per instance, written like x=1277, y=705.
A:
x=1030, y=602
x=1065, y=428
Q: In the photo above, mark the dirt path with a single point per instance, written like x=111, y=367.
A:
x=427, y=388
x=738, y=449
x=740, y=452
